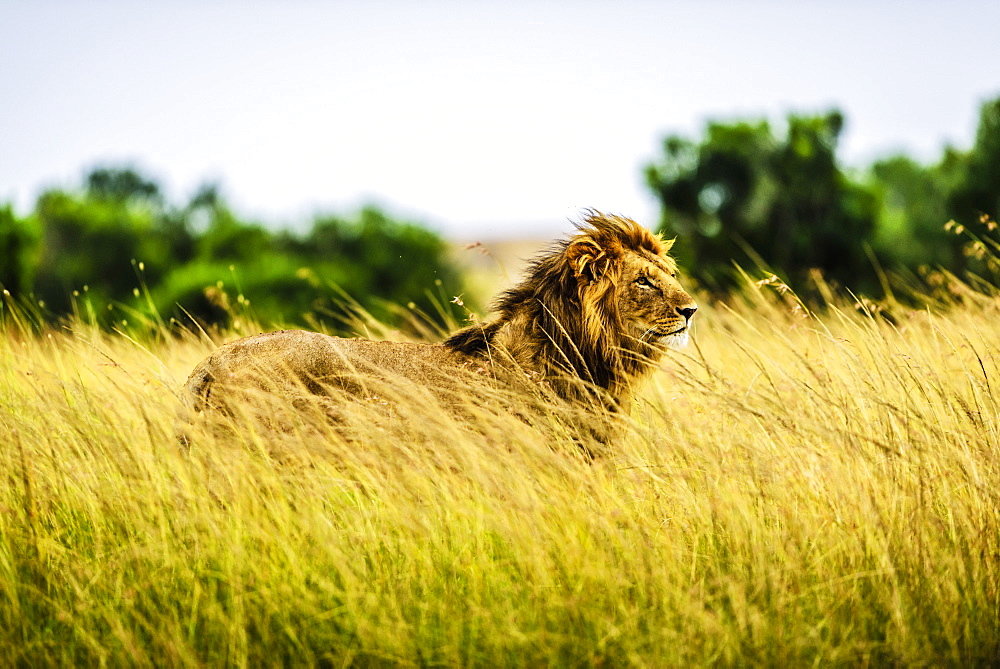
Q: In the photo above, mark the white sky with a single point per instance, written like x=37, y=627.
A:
x=480, y=119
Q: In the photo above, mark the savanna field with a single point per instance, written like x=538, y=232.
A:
x=795, y=488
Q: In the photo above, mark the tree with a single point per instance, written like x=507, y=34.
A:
x=19, y=242
x=106, y=242
x=744, y=195
x=917, y=202
x=121, y=185
x=914, y=209
x=93, y=243
x=977, y=191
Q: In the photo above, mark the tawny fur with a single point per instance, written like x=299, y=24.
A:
x=589, y=322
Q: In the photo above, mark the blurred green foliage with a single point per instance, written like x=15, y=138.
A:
x=782, y=202
x=743, y=194
x=117, y=247
x=19, y=247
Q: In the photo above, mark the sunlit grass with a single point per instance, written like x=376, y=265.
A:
x=793, y=489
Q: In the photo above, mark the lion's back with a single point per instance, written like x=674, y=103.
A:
x=290, y=360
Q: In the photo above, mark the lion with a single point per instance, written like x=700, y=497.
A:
x=588, y=323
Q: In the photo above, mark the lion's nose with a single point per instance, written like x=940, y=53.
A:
x=687, y=312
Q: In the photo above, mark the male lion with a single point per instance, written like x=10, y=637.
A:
x=588, y=322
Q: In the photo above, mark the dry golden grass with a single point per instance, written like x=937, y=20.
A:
x=793, y=489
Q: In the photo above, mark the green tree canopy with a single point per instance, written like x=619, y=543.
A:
x=121, y=185
x=917, y=202
x=96, y=242
x=977, y=190
x=19, y=246
x=746, y=195
x=914, y=209
x=117, y=237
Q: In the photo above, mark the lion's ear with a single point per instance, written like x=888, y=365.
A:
x=586, y=259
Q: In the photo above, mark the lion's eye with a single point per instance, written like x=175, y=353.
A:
x=643, y=282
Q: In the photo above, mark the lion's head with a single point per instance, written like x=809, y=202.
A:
x=627, y=284
x=601, y=306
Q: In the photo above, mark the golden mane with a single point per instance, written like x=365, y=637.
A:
x=567, y=309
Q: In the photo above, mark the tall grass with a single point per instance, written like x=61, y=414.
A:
x=793, y=489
